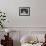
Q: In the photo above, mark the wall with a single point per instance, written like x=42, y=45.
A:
x=37, y=16
x=35, y=22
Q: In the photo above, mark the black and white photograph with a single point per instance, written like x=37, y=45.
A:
x=24, y=11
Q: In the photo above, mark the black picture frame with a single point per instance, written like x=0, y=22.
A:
x=24, y=11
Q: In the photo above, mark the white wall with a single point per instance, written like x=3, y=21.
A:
x=25, y=24
x=37, y=16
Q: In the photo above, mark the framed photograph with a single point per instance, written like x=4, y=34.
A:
x=24, y=11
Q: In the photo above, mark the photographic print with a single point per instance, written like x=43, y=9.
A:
x=24, y=11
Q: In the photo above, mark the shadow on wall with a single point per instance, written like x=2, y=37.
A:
x=16, y=43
